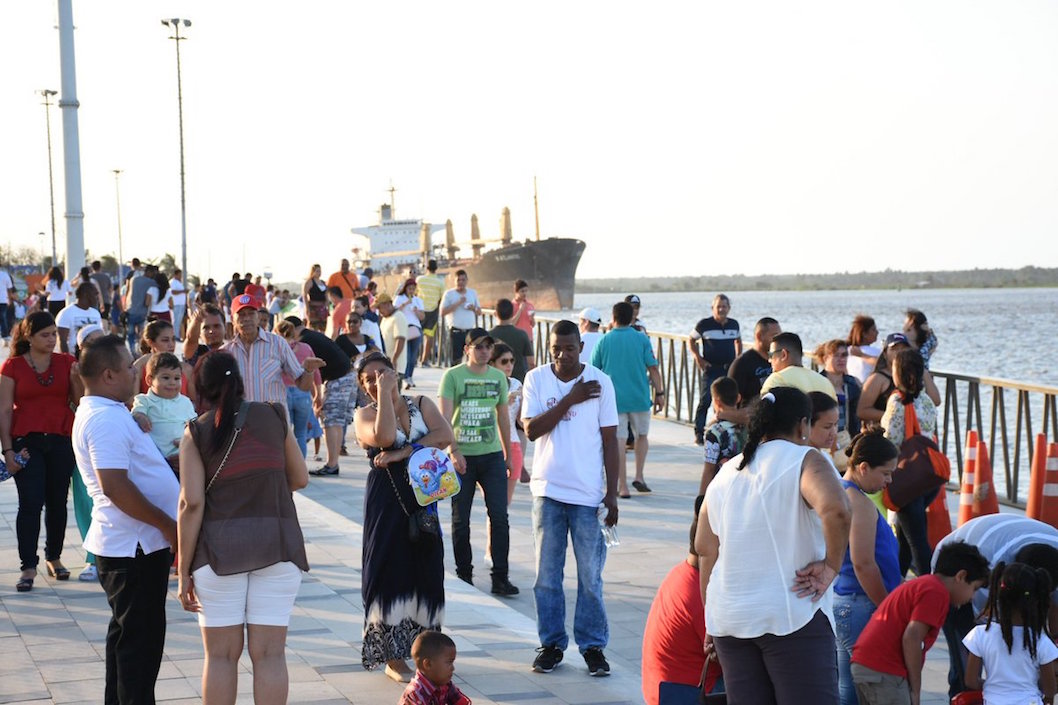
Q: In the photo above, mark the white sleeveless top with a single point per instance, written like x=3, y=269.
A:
x=767, y=532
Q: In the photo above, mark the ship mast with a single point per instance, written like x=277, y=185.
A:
x=536, y=211
x=392, y=202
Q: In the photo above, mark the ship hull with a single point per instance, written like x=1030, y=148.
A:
x=548, y=266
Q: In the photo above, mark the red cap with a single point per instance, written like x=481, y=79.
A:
x=244, y=301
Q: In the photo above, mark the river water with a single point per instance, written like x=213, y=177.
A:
x=1007, y=333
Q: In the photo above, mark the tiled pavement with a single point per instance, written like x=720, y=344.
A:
x=51, y=639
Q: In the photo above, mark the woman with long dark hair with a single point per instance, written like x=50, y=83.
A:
x=159, y=298
x=159, y=336
x=57, y=290
x=38, y=390
x=403, y=576
x=239, y=465
x=909, y=374
x=785, y=491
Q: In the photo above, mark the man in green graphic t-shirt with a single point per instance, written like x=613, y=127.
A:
x=474, y=398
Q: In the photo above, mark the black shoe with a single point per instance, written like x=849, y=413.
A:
x=597, y=665
x=503, y=587
x=466, y=578
x=699, y=439
x=325, y=470
x=547, y=657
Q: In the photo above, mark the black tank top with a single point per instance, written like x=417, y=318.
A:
x=883, y=398
x=316, y=293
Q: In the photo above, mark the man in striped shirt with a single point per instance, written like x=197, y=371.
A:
x=263, y=357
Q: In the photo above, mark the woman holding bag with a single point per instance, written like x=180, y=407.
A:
x=239, y=465
x=909, y=408
x=403, y=556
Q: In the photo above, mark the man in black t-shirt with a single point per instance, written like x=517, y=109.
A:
x=515, y=338
x=338, y=401
x=721, y=344
x=751, y=368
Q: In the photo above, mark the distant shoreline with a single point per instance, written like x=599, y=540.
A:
x=1026, y=277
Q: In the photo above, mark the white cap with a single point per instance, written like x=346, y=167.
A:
x=591, y=316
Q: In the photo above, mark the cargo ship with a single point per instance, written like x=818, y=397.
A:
x=394, y=248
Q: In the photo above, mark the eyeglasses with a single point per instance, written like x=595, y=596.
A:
x=365, y=360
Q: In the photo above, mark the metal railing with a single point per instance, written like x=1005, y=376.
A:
x=1009, y=433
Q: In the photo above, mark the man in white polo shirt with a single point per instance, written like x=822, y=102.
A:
x=135, y=496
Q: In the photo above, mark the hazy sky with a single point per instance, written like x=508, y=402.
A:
x=672, y=137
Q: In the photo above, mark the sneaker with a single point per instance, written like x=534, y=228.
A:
x=325, y=470
x=597, y=665
x=408, y=384
x=344, y=452
x=89, y=574
x=503, y=588
x=425, y=363
x=547, y=657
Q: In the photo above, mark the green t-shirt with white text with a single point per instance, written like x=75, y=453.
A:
x=474, y=398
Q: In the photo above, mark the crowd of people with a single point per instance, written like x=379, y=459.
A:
x=796, y=580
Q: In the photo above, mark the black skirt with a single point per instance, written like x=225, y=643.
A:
x=402, y=582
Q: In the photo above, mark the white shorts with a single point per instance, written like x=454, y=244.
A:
x=639, y=420
x=264, y=596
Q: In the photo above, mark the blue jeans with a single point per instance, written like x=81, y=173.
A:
x=713, y=373
x=414, y=345
x=489, y=471
x=299, y=405
x=912, y=535
x=851, y=614
x=5, y=331
x=552, y=521
x=133, y=330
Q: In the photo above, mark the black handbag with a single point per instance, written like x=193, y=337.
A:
x=420, y=522
x=920, y=467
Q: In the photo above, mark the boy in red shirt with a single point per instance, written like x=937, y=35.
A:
x=887, y=659
x=435, y=658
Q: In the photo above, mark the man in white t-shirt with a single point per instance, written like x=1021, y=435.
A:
x=590, y=320
x=75, y=316
x=570, y=410
x=461, y=309
x=179, y=294
x=135, y=496
x=7, y=295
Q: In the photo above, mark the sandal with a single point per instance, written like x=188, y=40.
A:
x=57, y=572
x=25, y=583
x=640, y=486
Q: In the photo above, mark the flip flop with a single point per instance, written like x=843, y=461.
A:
x=640, y=486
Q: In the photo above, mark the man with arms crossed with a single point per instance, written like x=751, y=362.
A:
x=460, y=308
x=134, y=495
x=570, y=410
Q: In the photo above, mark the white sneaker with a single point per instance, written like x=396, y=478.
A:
x=89, y=574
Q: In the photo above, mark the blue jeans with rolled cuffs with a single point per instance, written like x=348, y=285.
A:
x=299, y=404
x=553, y=521
x=851, y=614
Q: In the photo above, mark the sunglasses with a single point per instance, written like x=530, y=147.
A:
x=774, y=353
x=505, y=361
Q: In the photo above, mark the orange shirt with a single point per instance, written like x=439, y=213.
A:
x=349, y=283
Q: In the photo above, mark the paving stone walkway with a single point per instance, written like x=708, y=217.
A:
x=52, y=639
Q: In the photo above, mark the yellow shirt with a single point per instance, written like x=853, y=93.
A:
x=800, y=378
x=431, y=286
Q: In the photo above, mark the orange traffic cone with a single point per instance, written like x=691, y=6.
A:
x=969, y=466
x=985, y=500
x=1039, y=471
x=1049, y=503
x=938, y=520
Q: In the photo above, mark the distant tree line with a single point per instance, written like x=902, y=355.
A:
x=888, y=279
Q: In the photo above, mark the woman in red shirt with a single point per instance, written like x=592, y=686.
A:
x=39, y=389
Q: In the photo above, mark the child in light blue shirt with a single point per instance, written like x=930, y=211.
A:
x=163, y=411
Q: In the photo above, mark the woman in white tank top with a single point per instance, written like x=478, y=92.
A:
x=772, y=534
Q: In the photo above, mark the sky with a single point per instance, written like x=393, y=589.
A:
x=674, y=138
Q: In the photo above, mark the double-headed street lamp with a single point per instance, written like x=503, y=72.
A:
x=176, y=23
x=47, y=94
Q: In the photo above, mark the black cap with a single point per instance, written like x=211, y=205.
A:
x=476, y=334
x=632, y=299
x=896, y=339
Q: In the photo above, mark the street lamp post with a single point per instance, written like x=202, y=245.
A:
x=43, y=239
x=117, y=194
x=51, y=179
x=176, y=23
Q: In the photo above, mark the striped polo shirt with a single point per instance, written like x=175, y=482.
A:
x=431, y=286
x=262, y=365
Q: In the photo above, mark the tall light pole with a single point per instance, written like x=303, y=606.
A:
x=176, y=23
x=117, y=194
x=47, y=94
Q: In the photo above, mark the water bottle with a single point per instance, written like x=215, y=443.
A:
x=609, y=533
